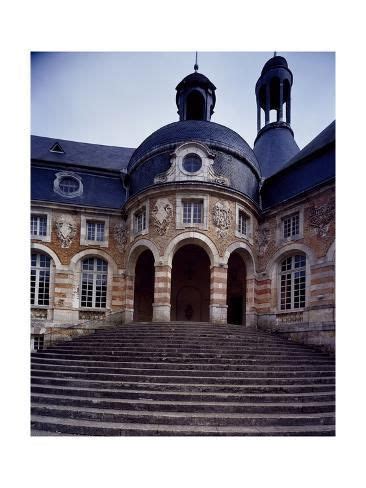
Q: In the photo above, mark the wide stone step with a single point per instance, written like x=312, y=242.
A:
x=186, y=357
x=182, y=378
x=228, y=366
x=177, y=395
x=163, y=371
x=178, y=386
x=182, y=418
x=185, y=406
x=90, y=427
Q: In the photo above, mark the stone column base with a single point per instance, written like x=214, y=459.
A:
x=127, y=315
x=161, y=313
x=218, y=314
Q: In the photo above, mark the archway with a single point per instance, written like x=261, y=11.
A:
x=236, y=290
x=195, y=106
x=144, y=287
x=190, y=286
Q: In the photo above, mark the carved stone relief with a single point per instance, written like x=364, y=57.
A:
x=222, y=216
x=262, y=238
x=162, y=215
x=321, y=217
x=120, y=233
x=66, y=230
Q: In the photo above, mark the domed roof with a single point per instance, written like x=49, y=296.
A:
x=196, y=79
x=275, y=62
x=210, y=133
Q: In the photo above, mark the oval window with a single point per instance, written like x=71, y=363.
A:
x=69, y=185
x=192, y=163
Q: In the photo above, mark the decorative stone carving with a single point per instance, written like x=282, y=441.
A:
x=222, y=217
x=321, y=217
x=262, y=239
x=66, y=229
x=162, y=214
x=121, y=235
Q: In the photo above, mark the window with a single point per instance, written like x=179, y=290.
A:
x=192, y=211
x=192, y=163
x=68, y=184
x=291, y=225
x=140, y=220
x=293, y=282
x=94, y=273
x=242, y=223
x=95, y=231
x=38, y=225
x=40, y=279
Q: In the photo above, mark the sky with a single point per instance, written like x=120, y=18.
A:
x=120, y=98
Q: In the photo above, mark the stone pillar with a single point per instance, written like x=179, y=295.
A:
x=66, y=296
x=268, y=104
x=250, y=312
x=288, y=110
x=162, y=292
x=280, y=107
x=218, y=298
x=127, y=314
x=258, y=115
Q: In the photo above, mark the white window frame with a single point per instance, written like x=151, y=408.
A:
x=191, y=197
x=38, y=269
x=144, y=207
x=67, y=174
x=94, y=272
x=249, y=224
x=280, y=222
x=292, y=272
x=87, y=218
x=44, y=213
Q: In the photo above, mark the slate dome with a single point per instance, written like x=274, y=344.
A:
x=275, y=62
x=209, y=133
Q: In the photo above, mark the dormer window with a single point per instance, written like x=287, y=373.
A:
x=56, y=148
x=192, y=163
x=68, y=184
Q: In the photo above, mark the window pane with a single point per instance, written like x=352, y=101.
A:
x=94, y=283
x=69, y=185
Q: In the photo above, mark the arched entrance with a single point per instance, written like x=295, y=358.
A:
x=190, y=285
x=236, y=287
x=144, y=287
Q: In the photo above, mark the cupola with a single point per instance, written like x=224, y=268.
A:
x=195, y=97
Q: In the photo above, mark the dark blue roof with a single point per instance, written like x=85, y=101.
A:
x=196, y=79
x=210, y=133
x=104, y=191
x=311, y=167
x=81, y=153
x=274, y=147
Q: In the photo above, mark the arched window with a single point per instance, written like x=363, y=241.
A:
x=195, y=106
x=94, y=274
x=40, y=279
x=293, y=282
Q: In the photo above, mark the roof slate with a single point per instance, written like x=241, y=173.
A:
x=81, y=153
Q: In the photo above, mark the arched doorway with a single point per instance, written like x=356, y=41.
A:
x=236, y=287
x=144, y=287
x=190, y=285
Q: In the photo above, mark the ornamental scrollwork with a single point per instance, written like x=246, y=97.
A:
x=66, y=230
x=321, y=218
x=222, y=216
x=120, y=233
x=162, y=215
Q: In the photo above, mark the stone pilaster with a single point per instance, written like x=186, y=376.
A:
x=162, y=291
x=218, y=298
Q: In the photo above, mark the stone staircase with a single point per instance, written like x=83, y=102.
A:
x=182, y=379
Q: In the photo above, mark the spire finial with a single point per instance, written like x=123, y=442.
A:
x=275, y=54
x=196, y=65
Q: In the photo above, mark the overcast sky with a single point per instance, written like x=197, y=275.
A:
x=120, y=98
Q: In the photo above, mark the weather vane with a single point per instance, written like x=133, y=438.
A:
x=196, y=65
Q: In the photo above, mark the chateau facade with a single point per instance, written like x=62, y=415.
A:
x=193, y=225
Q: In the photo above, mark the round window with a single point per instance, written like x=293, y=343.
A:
x=192, y=163
x=69, y=185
